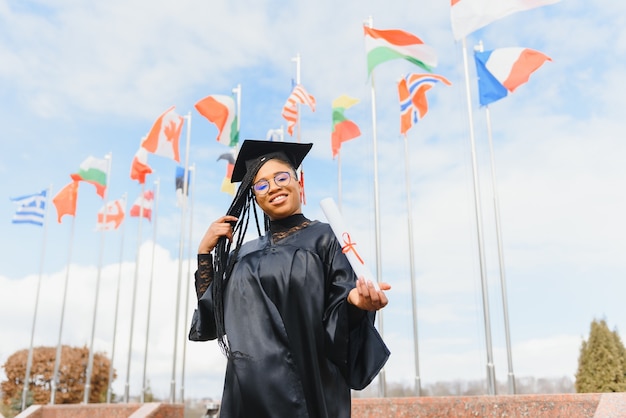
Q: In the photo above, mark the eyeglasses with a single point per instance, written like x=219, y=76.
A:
x=262, y=186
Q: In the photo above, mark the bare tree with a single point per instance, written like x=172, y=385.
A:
x=71, y=379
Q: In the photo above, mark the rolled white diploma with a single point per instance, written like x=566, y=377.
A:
x=345, y=239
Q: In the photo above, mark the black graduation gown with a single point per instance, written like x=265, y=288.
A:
x=297, y=345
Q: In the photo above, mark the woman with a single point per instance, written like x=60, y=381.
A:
x=287, y=309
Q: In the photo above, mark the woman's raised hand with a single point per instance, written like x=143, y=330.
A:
x=222, y=227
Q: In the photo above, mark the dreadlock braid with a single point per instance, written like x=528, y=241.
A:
x=223, y=264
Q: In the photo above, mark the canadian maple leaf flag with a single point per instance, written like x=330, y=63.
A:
x=163, y=137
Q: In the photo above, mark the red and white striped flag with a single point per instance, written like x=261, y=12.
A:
x=143, y=202
x=290, y=110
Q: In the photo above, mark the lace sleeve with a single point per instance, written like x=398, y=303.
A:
x=204, y=274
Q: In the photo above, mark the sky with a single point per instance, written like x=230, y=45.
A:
x=80, y=80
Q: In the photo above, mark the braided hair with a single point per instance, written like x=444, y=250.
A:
x=242, y=204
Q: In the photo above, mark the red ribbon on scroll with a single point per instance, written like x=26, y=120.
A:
x=349, y=246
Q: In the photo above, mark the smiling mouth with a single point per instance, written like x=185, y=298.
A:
x=278, y=198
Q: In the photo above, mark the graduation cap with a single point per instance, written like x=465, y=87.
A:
x=253, y=151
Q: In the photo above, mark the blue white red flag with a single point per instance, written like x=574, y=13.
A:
x=502, y=70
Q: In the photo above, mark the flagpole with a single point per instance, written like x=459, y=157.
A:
x=134, y=297
x=154, y=236
x=296, y=59
x=107, y=157
x=57, y=360
x=192, y=169
x=491, y=377
x=180, y=259
x=339, y=180
x=505, y=309
x=29, y=362
x=117, y=302
x=382, y=380
x=511, y=375
x=237, y=91
x=418, y=389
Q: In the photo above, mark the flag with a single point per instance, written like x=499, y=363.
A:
x=144, y=202
x=65, y=200
x=139, y=168
x=180, y=181
x=343, y=129
x=412, y=90
x=94, y=171
x=502, y=70
x=290, y=109
x=227, y=185
x=470, y=15
x=114, y=215
x=386, y=45
x=220, y=110
x=276, y=135
x=31, y=209
x=164, y=135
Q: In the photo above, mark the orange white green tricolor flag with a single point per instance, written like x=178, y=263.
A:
x=111, y=215
x=65, y=200
x=343, y=129
x=94, y=171
x=386, y=45
x=164, y=135
x=220, y=110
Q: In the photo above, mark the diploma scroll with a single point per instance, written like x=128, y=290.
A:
x=345, y=238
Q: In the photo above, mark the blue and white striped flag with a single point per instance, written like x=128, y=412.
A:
x=31, y=208
x=276, y=135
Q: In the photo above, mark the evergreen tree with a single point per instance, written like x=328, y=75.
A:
x=621, y=353
x=602, y=361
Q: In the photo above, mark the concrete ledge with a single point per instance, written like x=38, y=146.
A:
x=585, y=405
x=120, y=410
x=159, y=410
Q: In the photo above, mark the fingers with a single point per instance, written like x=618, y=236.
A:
x=384, y=286
x=370, y=298
x=222, y=227
x=227, y=218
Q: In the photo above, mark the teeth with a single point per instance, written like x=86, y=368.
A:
x=278, y=198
